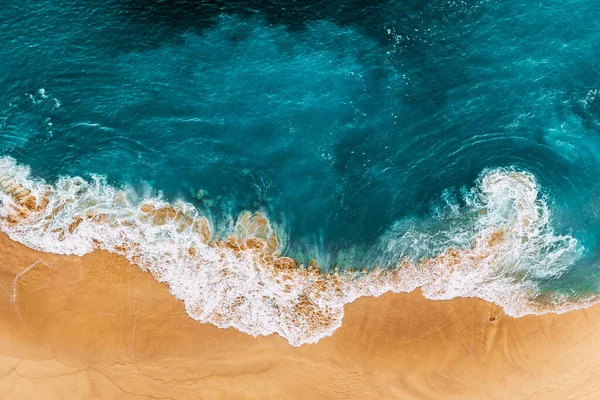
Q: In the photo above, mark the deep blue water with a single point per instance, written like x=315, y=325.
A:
x=337, y=118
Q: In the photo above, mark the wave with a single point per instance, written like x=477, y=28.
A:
x=498, y=246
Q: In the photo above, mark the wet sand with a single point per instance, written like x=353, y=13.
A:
x=96, y=327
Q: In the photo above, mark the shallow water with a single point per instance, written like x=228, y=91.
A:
x=364, y=130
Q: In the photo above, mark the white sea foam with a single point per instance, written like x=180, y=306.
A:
x=242, y=282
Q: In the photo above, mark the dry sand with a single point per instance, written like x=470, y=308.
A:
x=97, y=327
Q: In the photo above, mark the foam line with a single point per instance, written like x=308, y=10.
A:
x=243, y=281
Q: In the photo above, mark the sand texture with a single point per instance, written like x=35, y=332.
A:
x=96, y=327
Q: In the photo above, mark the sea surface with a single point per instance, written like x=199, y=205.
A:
x=389, y=145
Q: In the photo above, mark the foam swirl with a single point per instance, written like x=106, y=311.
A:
x=243, y=282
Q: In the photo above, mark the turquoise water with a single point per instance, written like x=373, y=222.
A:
x=348, y=123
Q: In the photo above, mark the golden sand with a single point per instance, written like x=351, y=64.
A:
x=97, y=327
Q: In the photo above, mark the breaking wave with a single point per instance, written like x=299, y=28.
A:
x=497, y=244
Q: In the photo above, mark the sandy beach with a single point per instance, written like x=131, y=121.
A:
x=96, y=327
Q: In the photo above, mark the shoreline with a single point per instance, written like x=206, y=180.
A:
x=243, y=281
x=98, y=327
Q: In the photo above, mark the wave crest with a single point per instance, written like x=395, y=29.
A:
x=243, y=282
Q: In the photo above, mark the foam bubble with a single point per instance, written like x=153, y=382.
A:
x=494, y=247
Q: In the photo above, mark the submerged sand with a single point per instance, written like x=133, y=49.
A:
x=96, y=327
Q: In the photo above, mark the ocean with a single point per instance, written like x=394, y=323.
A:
x=272, y=162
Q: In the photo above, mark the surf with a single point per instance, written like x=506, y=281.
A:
x=507, y=246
